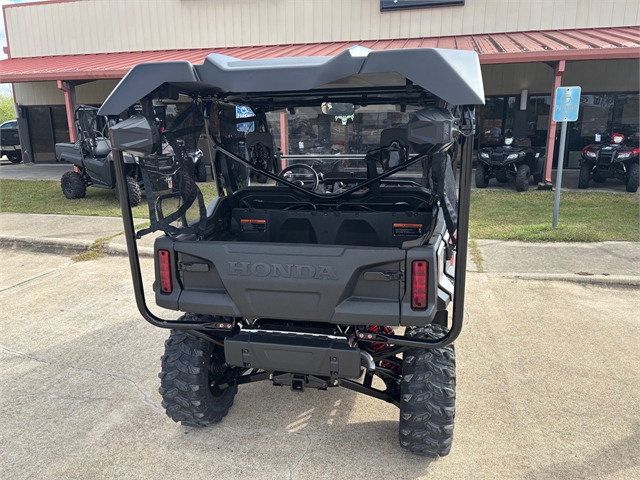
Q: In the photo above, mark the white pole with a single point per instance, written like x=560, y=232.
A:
x=556, y=205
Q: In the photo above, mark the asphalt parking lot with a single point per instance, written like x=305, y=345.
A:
x=548, y=387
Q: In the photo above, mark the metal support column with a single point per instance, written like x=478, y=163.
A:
x=284, y=136
x=551, y=134
x=69, y=90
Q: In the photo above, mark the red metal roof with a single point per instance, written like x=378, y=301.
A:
x=495, y=48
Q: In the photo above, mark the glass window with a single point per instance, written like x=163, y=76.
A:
x=398, y=4
x=626, y=115
x=7, y=125
x=60, y=124
x=312, y=132
x=41, y=133
x=173, y=110
x=273, y=121
x=490, y=117
x=594, y=117
x=511, y=113
x=538, y=111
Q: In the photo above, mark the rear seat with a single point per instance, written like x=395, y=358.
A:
x=366, y=229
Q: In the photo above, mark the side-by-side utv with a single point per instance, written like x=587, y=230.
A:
x=93, y=162
x=326, y=276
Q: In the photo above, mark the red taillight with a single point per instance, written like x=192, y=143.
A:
x=164, y=267
x=419, y=271
x=617, y=138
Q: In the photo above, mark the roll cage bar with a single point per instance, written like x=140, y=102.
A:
x=203, y=329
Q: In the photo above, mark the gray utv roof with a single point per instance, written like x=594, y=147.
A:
x=453, y=75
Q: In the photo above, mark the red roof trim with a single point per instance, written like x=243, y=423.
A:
x=498, y=48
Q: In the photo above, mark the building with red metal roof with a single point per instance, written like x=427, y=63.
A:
x=63, y=52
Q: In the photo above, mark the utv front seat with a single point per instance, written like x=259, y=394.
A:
x=103, y=147
x=389, y=136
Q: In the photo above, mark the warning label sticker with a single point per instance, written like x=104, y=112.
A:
x=407, y=229
x=248, y=225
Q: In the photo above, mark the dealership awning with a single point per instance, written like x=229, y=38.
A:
x=495, y=48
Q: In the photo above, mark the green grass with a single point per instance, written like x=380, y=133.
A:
x=584, y=216
x=476, y=255
x=46, y=197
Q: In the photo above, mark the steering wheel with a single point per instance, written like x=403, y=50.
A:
x=304, y=180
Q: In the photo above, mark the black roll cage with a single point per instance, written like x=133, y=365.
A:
x=200, y=329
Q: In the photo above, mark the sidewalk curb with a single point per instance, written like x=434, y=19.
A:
x=121, y=250
x=58, y=246
x=73, y=247
x=613, y=280
x=61, y=246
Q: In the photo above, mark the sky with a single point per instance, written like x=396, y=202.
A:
x=5, y=87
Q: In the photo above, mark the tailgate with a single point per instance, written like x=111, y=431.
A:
x=348, y=285
x=9, y=137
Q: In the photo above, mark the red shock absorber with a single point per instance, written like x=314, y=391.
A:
x=391, y=366
x=376, y=346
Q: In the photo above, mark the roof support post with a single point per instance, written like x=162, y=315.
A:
x=69, y=90
x=558, y=68
x=284, y=136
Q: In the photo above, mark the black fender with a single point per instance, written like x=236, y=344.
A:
x=538, y=165
x=590, y=161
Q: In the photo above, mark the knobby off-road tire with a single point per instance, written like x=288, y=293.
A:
x=135, y=194
x=73, y=185
x=187, y=395
x=428, y=395
x=482, y=175
x=200, y=172
x=633, y=178
x=522, y=178
x=585, y=174
x=15, y=157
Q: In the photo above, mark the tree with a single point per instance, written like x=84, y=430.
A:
x=6, y=108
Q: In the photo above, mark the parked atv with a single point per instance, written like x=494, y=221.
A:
x=614, y=159
x=307, y=283
x=92, y=160
x=510, y=162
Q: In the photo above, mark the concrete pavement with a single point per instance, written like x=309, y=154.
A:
x=545, y=390
x=44, y=171
x=584, y=261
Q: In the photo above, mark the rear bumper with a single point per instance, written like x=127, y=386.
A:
x=10, y=148
x=321, y=355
